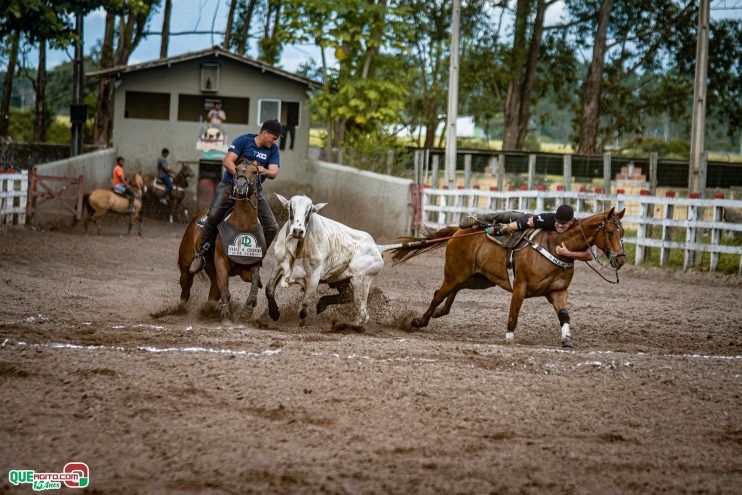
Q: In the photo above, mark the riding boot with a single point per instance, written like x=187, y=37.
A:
x=473, y=221
x=199, y=259
x=131, y=205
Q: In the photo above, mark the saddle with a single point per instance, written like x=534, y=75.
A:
x=158, y=184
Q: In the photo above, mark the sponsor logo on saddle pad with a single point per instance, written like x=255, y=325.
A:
x=245, y=245
x=74, y=475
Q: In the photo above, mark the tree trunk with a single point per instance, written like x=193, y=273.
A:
x=8, y=85
x=241, y=48
x=166, y=28
x=514, y=97
x=104, y=102
x=530, y=76
x=39, y=127
x=593, y=81
x=230, y=20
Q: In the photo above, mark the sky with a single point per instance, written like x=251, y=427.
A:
x=186, y=17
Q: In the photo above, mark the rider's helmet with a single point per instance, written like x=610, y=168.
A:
x=565, y=214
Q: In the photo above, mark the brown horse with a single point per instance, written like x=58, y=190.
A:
x=156, y=190
x=475, y=262
x=101, y=201
x=219, y=267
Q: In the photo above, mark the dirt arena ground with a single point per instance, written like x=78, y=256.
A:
x=648, y=402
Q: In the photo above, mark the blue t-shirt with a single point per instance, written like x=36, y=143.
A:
x=245, y=146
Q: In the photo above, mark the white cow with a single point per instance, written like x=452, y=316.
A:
x=311, y=249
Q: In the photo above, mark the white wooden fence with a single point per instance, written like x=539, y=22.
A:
x=441, y=207
x=13, y=198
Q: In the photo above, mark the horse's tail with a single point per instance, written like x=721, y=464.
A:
x=409, y=247
x=86, y=206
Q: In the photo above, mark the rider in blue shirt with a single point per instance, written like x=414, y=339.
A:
x=262, y=149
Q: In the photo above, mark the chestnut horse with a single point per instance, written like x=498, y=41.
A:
x=475, y=262
x=219, y=267
x=101, y=201
x=156, y=189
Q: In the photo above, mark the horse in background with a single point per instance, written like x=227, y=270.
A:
x=156, y=190
x=476, y=262
x=102, y=201
x=218, y=266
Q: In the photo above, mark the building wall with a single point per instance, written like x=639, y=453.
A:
x=140, y=141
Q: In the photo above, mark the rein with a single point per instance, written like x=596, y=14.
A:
x=611, y=255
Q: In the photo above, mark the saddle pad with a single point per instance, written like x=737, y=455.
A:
x=243, y=248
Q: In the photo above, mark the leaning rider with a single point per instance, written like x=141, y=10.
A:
x=121, y=185
x=262, y=149
x=559, y=221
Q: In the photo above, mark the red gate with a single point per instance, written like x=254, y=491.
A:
x=66, y=191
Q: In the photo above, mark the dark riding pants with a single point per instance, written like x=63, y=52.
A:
x=168, y=181
x=222, y=203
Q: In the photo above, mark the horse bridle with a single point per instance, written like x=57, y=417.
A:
x=242, y=185
x=611, y=254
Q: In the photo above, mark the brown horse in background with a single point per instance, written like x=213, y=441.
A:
x=156, y=190
x=475, y=262
x=219, y=267
x=101, y=201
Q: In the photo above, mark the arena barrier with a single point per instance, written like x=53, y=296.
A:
x=379, y=204
x=13, y=197
x=441, y=207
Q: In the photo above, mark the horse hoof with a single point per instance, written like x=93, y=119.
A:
x=302, y=323
x=321, y=308
x=567, y=342
x=417, y=323
x=226, y=322
x=510, y=336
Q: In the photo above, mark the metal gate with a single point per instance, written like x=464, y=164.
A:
x=66, y=192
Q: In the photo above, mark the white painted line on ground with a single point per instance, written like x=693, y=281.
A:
x=231, y=352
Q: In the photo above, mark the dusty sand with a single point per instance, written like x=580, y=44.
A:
x=648, y=402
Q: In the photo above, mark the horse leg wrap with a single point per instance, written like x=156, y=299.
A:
x=563, y=315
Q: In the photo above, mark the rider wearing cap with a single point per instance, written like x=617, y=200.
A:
x=559, y=221
x=260, y=148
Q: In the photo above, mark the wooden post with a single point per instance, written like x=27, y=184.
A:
x=434, y=172
x=501, y=172
x=607, y=173
x=467, y=171
x=531, y=171
x=715, y=238
x=669, y=213
x=416, y=167
x=690, y=235
x=567, y=172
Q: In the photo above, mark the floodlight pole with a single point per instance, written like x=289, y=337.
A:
x=697, y=176
x=453, y=97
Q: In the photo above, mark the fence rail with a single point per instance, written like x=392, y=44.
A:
x=442, y=207
x=13, y=198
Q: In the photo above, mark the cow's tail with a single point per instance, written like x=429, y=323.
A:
x=409, y=247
